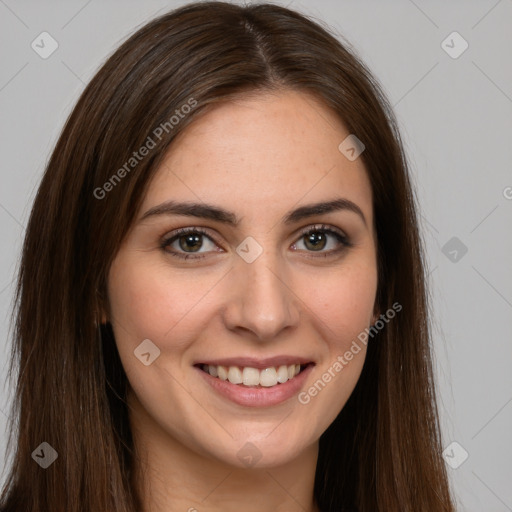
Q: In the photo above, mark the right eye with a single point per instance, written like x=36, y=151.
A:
x=185, y=239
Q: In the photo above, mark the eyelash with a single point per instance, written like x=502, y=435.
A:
x=340, y=237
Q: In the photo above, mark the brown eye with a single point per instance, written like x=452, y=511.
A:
x=319, y=238
x=190, y=241
x=315, y=240
x=187, y=243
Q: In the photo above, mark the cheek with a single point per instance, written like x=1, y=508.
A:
x=139, y=305
x=149, y=302
x=344, y=303
x=341, y=308
x=140, y=298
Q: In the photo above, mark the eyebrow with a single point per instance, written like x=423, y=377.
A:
x=207, y=211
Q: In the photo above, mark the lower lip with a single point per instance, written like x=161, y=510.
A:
x=257, y=396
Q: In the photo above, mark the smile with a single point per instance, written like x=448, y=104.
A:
x=256, y=383
x=253, y=377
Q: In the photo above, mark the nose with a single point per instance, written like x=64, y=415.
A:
x=261, y=298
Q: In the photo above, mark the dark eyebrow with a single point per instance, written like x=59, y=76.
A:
x=189, y=209
x=206, y=211
x=310, y=210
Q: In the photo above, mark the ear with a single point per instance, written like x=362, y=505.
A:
x=100, y=310
x=375, y=316
x=101, y=315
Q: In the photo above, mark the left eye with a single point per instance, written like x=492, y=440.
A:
x=317, y=239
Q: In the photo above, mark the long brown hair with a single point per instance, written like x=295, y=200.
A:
x=383, y=451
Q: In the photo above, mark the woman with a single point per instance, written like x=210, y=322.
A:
x=221, y=300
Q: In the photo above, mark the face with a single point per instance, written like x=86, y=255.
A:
x=232, y=295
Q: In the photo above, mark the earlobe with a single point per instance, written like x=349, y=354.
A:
x=100, y=318
x=102, y=323
x=100, y=309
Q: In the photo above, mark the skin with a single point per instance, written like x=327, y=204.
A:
x=259, y=157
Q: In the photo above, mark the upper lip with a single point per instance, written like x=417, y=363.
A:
x=260, y=364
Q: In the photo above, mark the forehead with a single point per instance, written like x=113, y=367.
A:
x=269, y=150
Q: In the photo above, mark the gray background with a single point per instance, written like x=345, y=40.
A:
x=456, y=120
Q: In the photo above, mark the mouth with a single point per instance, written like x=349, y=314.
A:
x=257, y=376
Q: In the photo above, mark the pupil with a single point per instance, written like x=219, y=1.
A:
x=191, y=242
x=314, y=239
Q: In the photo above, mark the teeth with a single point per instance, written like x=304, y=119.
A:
x=252, y=376
x=282, y=374
x=268, y=377
x=222, y=372
x=235, y=375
